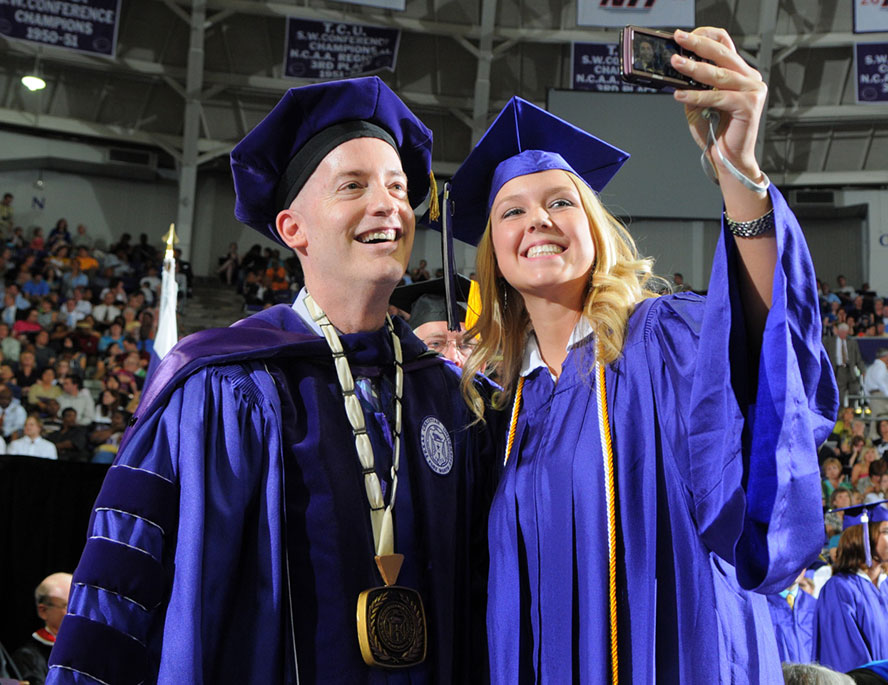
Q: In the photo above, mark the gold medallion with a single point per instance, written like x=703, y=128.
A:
x=391, y=621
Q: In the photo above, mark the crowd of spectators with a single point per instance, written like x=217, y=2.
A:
x=77, y=326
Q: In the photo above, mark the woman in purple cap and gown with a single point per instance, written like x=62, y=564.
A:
x=661, y=471
x=852, y=610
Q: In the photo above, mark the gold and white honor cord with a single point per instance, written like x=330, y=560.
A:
x=380, y=513
x=607, y=451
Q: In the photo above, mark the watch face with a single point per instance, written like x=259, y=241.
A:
x=391, y=627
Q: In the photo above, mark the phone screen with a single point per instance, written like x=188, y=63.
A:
x=645, y=59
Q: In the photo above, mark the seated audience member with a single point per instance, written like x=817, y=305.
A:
x=36, y=287
x=117, y=289
x=44, y=353
x=77, y=363
x=9, y=345
x=109, y=402
x=228, y=265
x=59, y=235
x=119, y=263
x=792, y=613
x=47, y=314
x=59, y=332
x=38, y=242
x=32, y=444
x=76, y=397
x=81, y=237
x=858, y=428
x=28, y=325
x=70, y=314
x=12, y=415
x=852, y=610
x=150, y=282
x=833, y=478
x=114, y=335
x=147, y=330
x=842, y=287
x=82, y=345
x=60, y=260
x=878, y=482
x=88, y=264
x=143, y=253
x=81, y=296
x=44, y=389
x=52, y=421
x=16, y=241
x=838, y=501
x=27, y=373
x=860, y=469
x=131, y=324
x=105, y=313
x=122, y=244
x=421, y=272
x=132, y=371
x=276, y=274
x=71, y=440
x=51, y=597
x=183, y=268
x=106, y=438
x=7, y=378
x=875, y=383
x=850, y=452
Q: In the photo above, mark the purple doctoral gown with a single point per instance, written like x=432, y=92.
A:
x=231, y=538
x=852, y=622
x=794, y=627
x=717, y=485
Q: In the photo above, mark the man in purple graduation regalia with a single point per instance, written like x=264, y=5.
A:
x=243, y=516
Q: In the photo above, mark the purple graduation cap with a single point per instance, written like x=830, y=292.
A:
x=524, y=139
x=272, y=163
x=864, y=514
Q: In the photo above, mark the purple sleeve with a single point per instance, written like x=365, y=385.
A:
x=197, y=486
x=751, y=428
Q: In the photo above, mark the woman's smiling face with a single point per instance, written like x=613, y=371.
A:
x=541, y=236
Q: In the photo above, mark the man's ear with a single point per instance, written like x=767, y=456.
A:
x=289, y=226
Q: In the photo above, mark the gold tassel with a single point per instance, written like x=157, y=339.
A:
x=434, y=209
x=473, y=310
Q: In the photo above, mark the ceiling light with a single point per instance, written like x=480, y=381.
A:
x=33, y=83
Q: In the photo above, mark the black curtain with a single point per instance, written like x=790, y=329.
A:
x=44, y=511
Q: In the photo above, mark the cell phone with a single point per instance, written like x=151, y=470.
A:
x=645, y=56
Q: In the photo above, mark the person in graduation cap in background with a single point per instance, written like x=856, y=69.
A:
x=249, y=529
x=661, y=471
x=792, y=614
x=852, y=609
x=426, y=305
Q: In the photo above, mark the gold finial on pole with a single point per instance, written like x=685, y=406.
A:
x=170, y=239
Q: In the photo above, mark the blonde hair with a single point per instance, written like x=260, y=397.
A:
x=620, y=279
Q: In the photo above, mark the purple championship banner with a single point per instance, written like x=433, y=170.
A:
x=329, y=49
x=872, y=72
x=596, y=67
x=83, y=25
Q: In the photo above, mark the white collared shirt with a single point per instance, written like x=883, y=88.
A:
x=879, y=580
x=38, y=447
x=533, y=359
